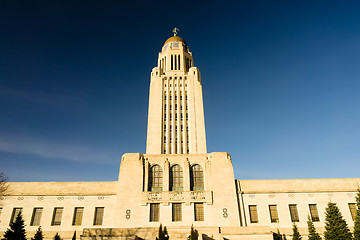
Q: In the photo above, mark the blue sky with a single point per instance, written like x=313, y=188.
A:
x=280, y=84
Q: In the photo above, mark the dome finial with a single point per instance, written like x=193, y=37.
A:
x=175, y=31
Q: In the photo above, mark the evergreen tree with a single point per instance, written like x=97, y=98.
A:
x=357, y=218
x=296, y=234
x=162, y=234
x=278, y=236
x=57, y=237
x=335, y=226
x=17, y=229
x=74, y=236
x=38, y=235
x=193, y=234
x=313, y=235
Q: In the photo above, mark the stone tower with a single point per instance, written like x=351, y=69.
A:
x=176, y=114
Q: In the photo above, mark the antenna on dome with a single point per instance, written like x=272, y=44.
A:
x=175, y=31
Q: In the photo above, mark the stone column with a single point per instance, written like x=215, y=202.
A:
x=146, y=176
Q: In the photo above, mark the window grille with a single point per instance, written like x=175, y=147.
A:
x=156, y=178
x=253, y=214
x=99, y=215
x=78, y=214
x=176, y=178
x=314, y=213
x=36, y=217
x=294, y=213
x=196, y=178
x=176, y=212
x=57, y=215
x=15, y=213
x=274, y=217
x=199, y=211
x=154, y=212
x=352, y=208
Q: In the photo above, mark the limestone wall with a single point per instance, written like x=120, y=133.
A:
x=68, y=195
x=299, y=192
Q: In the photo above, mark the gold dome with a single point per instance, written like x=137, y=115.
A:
x=175, y=38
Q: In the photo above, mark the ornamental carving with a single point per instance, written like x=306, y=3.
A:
x=178, y=196
x=197, y=195
x=154, y=196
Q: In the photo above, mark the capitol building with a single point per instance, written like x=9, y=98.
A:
x=176, y=183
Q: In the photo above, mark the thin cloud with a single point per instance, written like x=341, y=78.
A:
x=44, y=98
x=54, y=150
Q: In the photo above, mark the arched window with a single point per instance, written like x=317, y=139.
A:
x=155, y=178
x=196, y=178
x=176, y=178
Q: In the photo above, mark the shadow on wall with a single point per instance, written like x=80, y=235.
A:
x=206, y=237
x=124, y=234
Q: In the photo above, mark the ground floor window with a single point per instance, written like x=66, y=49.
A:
x=15, y=213
x=78, y=214
x=57, y=215
x=352, y=208
x=36, y=216
x=253, y=214
x=294, y=213
x=176, y=212
x=99, y=215
x=314, y=213
x=199, y=211
x=154, y=212
x=274, y=217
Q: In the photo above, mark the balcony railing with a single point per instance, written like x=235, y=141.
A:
x=175, y=196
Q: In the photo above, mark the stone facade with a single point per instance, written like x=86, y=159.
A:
x=176, y=183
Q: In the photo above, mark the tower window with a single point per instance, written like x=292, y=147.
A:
x=176, y=178
x=196, y=178
x=155, y=178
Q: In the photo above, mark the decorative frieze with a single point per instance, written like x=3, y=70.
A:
x=178, y=196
